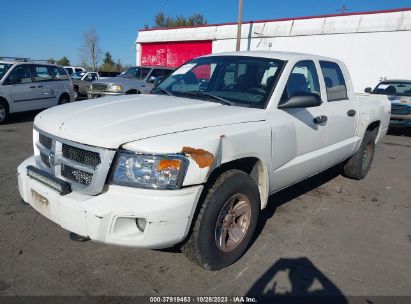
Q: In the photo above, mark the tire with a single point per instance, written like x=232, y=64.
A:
x=76, y=94
x=64, y=99
x=359, y=164
x=214, y=244
x=4, y=112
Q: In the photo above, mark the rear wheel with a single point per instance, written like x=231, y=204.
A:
x=226, y=221
x=359, y=164
x=4, y=112
x=64, y=99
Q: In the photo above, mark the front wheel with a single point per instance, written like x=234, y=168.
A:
x=4, y=112
x=226, y=221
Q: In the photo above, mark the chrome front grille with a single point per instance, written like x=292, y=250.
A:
x=45, y=141
x=99, y=87
x=81, y=156
x=400, y=109
x=84, y=167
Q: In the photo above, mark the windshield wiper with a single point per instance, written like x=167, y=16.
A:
x=214, y=98
x=164, y=91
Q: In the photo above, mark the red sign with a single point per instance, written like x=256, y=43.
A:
x=173, y=54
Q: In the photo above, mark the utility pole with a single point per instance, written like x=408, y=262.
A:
x=240, y=21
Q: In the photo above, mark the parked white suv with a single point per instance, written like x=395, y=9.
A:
x=30, y=85
x=73, y=69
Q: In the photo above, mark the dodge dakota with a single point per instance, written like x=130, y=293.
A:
x=193, y=163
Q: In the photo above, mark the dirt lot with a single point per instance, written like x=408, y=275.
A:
x=343, y=236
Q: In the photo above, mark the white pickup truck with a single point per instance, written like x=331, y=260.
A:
x=194, y=162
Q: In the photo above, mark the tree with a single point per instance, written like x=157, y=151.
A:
x=63, y=61
x=51, y=60
x=108, y=59
x=91, y=52
x=160, y=20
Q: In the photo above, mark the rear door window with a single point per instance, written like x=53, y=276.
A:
x=59, y=73
x=42, y=73
x=334, y=81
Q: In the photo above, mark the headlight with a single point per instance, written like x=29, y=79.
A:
x=115, y=88
x=149, y=171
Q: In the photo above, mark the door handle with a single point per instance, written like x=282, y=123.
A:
x=351, y=113
x=32, y=87
x=40, y=86
x=320, y=119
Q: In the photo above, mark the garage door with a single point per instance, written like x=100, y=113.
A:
x=173, y=54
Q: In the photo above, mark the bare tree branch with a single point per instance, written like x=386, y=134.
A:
x=91, y=52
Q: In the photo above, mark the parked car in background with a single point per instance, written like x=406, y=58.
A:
x=82, y=82
x=399, y=93
x=194, y=162
x=30, y=85
x=136, y=80
x=73, y=69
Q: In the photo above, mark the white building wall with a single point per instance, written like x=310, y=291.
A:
x=373, y=46
x=369, y=56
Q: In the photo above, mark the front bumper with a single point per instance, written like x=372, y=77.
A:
x=110, y=217
x=97, y=94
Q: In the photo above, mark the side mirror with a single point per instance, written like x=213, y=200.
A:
x=368, y=90
x=151, y=79
x=158, y=80
x=302, y=100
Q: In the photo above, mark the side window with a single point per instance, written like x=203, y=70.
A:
x=69, y=70
x=144, y=72
x=334, y=81
x=156, y=73
x=59, y=73
x=20, y=74
x=41, y=73
x=79, y=70
x=303, y=79
x=91, y=77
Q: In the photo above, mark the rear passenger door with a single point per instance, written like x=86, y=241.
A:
x=341, y=111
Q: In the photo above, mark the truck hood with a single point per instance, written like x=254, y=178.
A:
x=119, y=80
x=110, y=122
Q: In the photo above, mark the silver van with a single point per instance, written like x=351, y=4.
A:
x=30, y=85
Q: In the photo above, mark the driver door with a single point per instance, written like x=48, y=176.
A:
x=298, y=142
x=22, y=89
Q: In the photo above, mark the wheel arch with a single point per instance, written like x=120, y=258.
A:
x=253, y=166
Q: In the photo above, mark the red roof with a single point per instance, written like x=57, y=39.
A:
x=287, y=19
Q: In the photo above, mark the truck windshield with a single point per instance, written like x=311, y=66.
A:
x=232, y=80
x=4, y=67
x=399, y=88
